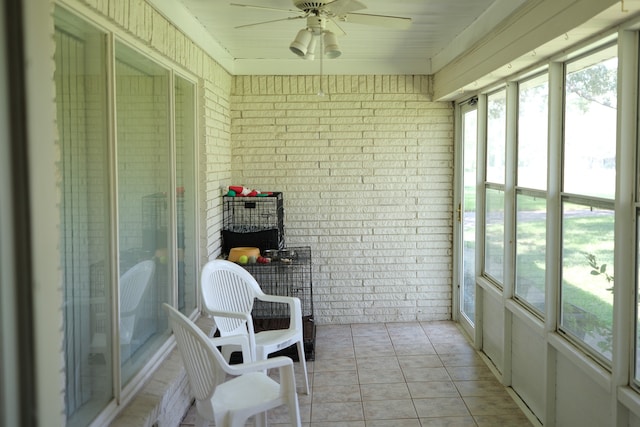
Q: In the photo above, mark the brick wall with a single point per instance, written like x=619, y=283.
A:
x=367, y=177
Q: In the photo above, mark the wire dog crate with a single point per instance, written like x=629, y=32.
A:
x=253, y=221
x=291, y=277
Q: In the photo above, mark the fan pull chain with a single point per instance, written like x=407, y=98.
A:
x=321, y=93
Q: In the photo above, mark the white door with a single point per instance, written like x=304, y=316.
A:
x=466, y=167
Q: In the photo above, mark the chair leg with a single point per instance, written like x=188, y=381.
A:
x=294, y=411
x=261, y=419
x=303, y=363
x=201, y=421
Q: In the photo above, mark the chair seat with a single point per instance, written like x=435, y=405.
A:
x=256, y=388
x=277, y=339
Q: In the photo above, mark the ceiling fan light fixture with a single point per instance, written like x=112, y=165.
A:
x=331, y=48
x=301, y=43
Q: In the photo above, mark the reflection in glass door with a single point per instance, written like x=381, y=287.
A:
x=467, y=214
x=144, y=206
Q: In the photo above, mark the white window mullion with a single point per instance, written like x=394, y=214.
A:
x=554, y=188
x=481, y=173
x=510, y=189
x=511, y=160
x=114, y=269
x=554, y=221
x=172, y=164
x=625, y=223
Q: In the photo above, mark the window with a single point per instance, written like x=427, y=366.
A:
x=142, y=111
x=531, y=217
x=587, y=201
x=494, y=234
x=531, y=205
x=496, y=136
x=495, y=180
x=133, y=234
x=590, y=125
x=533, y=99
x=81, y=106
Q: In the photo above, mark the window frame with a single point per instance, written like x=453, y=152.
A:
x=519, y=298
x=530, y=192
x=496, y=186
x=583, y=200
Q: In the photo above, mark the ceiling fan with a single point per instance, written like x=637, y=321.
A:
x=323, y=22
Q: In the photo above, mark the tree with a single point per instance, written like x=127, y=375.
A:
x=597, y=83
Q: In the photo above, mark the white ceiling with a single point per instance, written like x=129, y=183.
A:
x=440, y=30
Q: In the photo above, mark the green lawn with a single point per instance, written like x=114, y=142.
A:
x=587, y=299
x=585, y=231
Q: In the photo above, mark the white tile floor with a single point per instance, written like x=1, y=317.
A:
x=398, y=375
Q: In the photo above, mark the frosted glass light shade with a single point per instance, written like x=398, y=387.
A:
x=331, y=48
x=301, y=43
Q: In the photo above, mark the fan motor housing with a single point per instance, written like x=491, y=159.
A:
x=308, y=5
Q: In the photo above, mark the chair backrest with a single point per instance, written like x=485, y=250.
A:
x=203, y=362
x=226, y=286
x=133, y=283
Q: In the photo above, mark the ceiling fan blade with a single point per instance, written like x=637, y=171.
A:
x=251, y=6
x=340, y=7
x=269, y=22
x=395, y=22
x=333, y=26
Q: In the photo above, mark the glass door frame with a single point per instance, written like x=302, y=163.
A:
x=468, y=325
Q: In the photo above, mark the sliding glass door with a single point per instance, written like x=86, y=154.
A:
x=466, y=265
x=127, y=132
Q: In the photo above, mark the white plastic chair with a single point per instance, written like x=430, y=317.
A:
x=228, y=293
x=133, y=285
x=231, y=403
